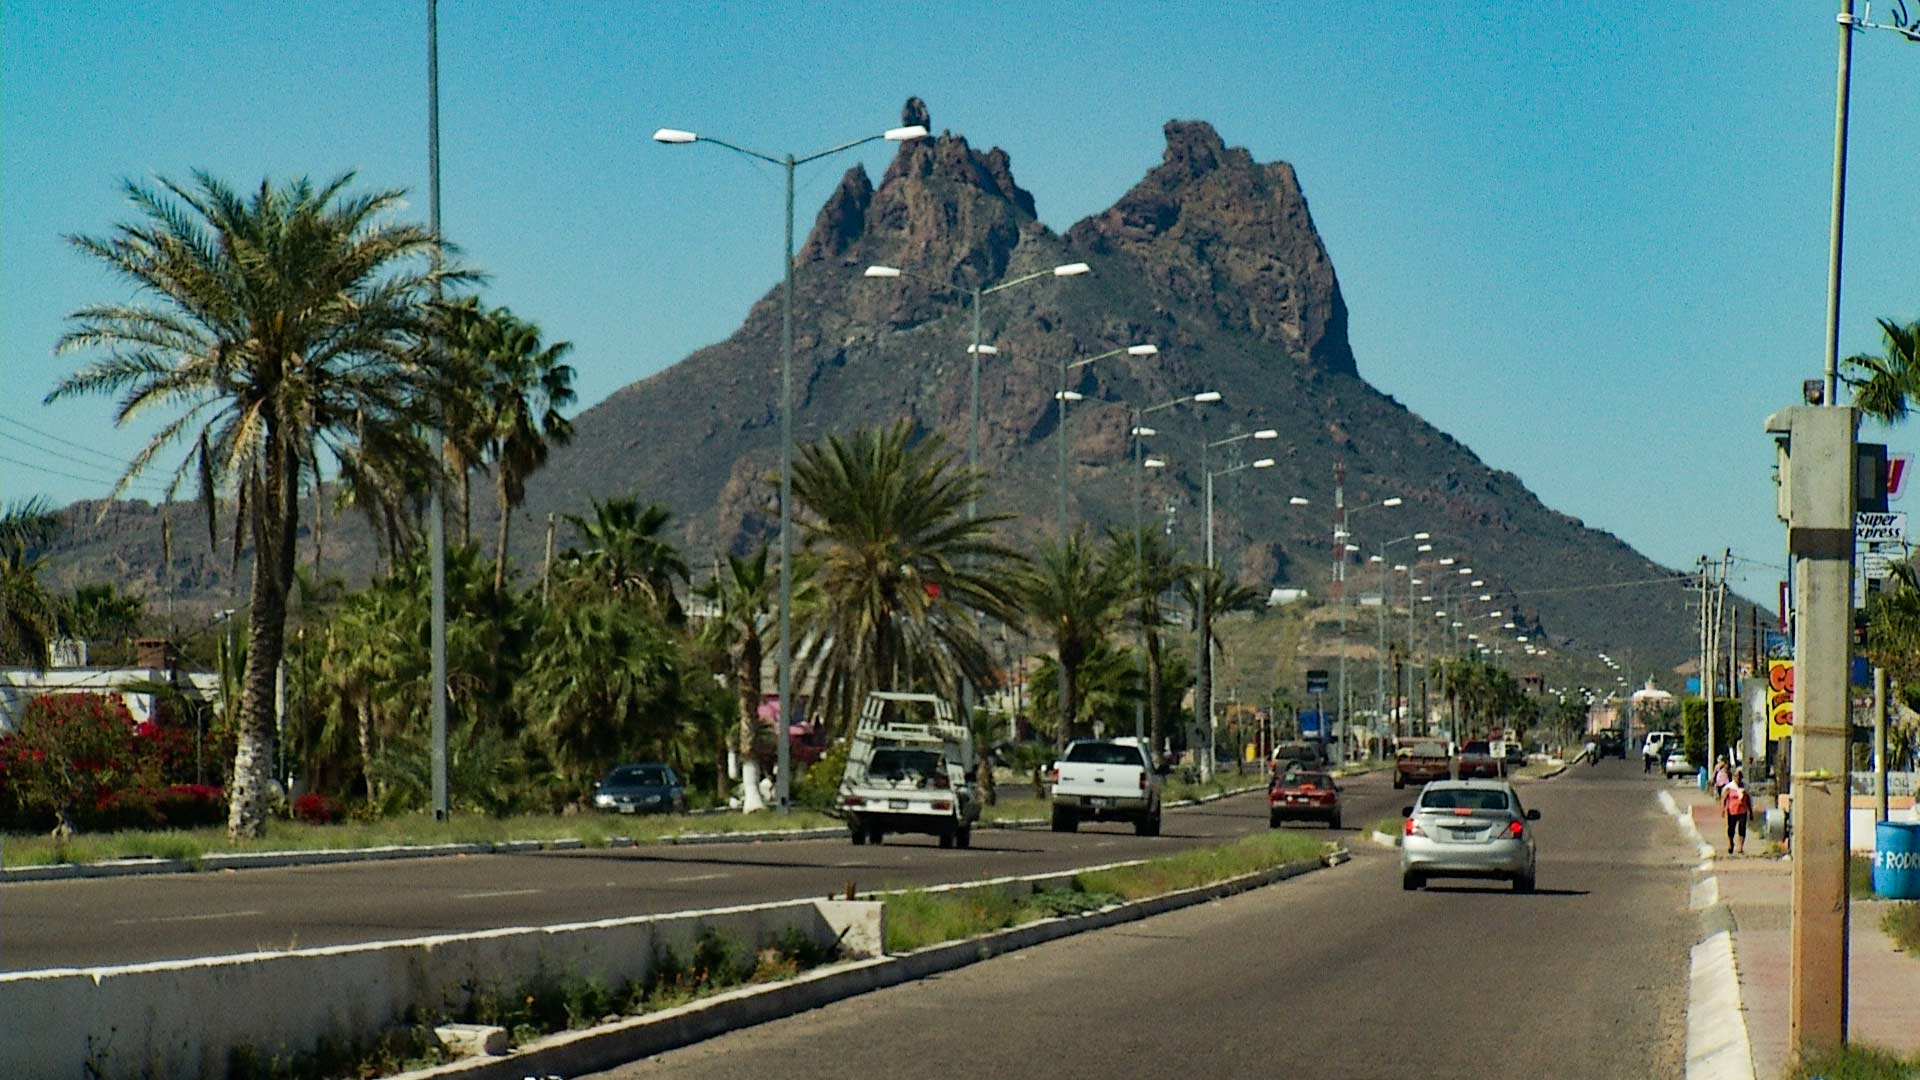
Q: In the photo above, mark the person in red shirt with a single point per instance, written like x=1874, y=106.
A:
x=1738, y=806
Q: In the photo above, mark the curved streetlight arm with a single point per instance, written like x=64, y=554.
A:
x=1126, y=350
x=1063, y=270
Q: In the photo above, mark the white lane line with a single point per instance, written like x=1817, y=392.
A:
x=187, y=918
x=1706, y=893
x=695, y=877
x=1717, y=1046
x=492, y=895
x=1667, y=803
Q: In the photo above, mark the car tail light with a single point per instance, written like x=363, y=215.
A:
x=1408, y=828
x=943, y=804
x=1053, y=776
x=1515, y=828
x=852, y=800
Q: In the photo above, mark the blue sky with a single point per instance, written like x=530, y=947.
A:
x=1588, y=240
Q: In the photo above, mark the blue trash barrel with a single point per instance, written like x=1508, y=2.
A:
x=1896, y=860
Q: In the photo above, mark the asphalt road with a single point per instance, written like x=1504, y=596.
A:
x=1338, y=974
x=134, y=919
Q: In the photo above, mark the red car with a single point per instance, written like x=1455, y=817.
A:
x=1301, y=794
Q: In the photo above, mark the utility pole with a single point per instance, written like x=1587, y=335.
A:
x=436, y=511
x=1817, y=498
x=546, y=568
x=1340, y=538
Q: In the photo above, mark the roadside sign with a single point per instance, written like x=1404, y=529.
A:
x=1874, y=565
x=1316, y=680
x=1888, y=528
x=1309, y=724
x=1897, y=465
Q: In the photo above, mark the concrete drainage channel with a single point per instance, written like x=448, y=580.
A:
x=1717, y=1045
x=266, y=860
x=188, y=1018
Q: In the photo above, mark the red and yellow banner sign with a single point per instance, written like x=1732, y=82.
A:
x=1779, y=699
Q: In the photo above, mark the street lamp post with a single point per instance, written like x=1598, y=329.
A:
x=1140, y=431
x=1206, y=626
x=783, y=781
x=1064, y=395
x=1344, y=546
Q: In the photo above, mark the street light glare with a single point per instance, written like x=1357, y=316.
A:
x=1143, y=350
x=1069, y=395
x=1399, y=568
x=1424, y=547
x=1153, y=463
x=1071, y=270
x=1422, y=536
x=874, y=271
x=905, y=134
x=1264, y=463
x=1448, y=561
x=1299, y=501
x=1476, y=583
x=1395, y=501
x=984, y=350
x=1143, y=432
x=1375, y=559
x=1353, y=547
x=1207, y=397
x=674, y=135
x=1266, y=433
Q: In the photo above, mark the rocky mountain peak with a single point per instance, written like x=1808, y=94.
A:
x=1210, y=226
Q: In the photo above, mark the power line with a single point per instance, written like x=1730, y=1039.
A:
x=116, y=462
x=1668, y=580
x=56, y=472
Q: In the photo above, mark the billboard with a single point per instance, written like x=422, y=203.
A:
x=1310, y=726
x=1779, y=699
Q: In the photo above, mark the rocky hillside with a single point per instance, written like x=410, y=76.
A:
x=1214, y=258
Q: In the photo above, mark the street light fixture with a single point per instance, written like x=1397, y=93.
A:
x=1141, y=431
x=1298, y=501
x=1203, y=622
x=1065, y=395
x=674, y=136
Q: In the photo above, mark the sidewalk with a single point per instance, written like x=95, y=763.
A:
x=1883, y=984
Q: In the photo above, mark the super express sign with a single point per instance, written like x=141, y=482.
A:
x=1779, y=699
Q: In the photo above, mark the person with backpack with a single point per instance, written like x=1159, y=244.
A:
x=1739, y=807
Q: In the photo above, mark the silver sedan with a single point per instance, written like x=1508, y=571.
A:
x=1470, y=829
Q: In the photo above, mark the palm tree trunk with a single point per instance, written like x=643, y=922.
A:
x=364, y=710
x=1069, y=703
x=276, y=515
x=500, y=547
x=1156, y=707
x=747, y=682
x=466, y=504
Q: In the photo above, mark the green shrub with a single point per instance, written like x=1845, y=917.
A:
x=820, y=784
x=1693, y=718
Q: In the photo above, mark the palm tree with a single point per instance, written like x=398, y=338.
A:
x=744, y=593
x=519, y=391
x=1149, y=578
x=29, y=615
x=1105, y=685
x=900, y=573
x=626, y=556
x=1074, y=596
x=1885, y=385
x=1210, y=595
x=286, y=325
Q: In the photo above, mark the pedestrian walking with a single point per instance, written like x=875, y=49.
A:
x=1721, y=776
x=1739, y=807
x=1593, y=752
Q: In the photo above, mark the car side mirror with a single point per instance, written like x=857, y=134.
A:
x=1406, y=811
x=1533, y=815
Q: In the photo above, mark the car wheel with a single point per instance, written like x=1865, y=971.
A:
x=1523, y=883
x=1410, y=881
x=946, y=839
x=1065, y=820
x=874, y=834
x=963, y=838
x=859, y=836
x=1334, y=821
x=1273, y=820
x=1399, y=781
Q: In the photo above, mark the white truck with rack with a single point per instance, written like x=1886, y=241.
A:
x=1105, y=780
x=909, y=770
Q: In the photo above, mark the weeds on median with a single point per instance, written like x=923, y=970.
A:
x=595, y=830
x=917, y=919
x=546, y=1003
x=1858, y=1062
x=1902, y=924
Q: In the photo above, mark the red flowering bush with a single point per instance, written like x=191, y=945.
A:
x=79, y=762
x=316, y=809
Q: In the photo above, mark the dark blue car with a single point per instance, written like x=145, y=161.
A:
x=647, y=788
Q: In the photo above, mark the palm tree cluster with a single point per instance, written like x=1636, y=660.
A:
x=1884, y=387
x=293, y=341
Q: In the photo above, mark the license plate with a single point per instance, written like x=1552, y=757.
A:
x=629, y=808
x=1296, y=798
x=1465, y=833
x=896, y=804
x=1096, y=802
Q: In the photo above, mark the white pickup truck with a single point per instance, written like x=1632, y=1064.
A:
x=1105, y=780
x=909, y=770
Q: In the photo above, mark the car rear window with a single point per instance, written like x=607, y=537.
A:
x=1306, y=779
x=1478, y=746
x=641, y=775
x=1427, y=749
x=895, y=764
x=1103, y=754
x=1464, y=799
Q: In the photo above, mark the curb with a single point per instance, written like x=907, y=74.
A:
x=271, y=860
x=1718, y=1047
x=595, y=1049
x=1383, y=839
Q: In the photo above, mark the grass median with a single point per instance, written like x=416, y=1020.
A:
x=1902, y=923
x=916, y=919
x=1858, y=1062
x=595, y=830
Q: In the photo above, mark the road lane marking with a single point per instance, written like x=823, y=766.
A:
x=494, y=895
x=187, y=918
x=1706, y=893
x=695, y=877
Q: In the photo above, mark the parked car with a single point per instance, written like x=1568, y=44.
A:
x=909, y=770
x=1304, y=795
x=1477, y=760
x=1677, y=763
x=1613, y=743
x=1105, y=780
x=1421, y=760
x=1469, y=829
x=1305, y=753
x=1516, y=754
x=644, y=788
x=1658, y=743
